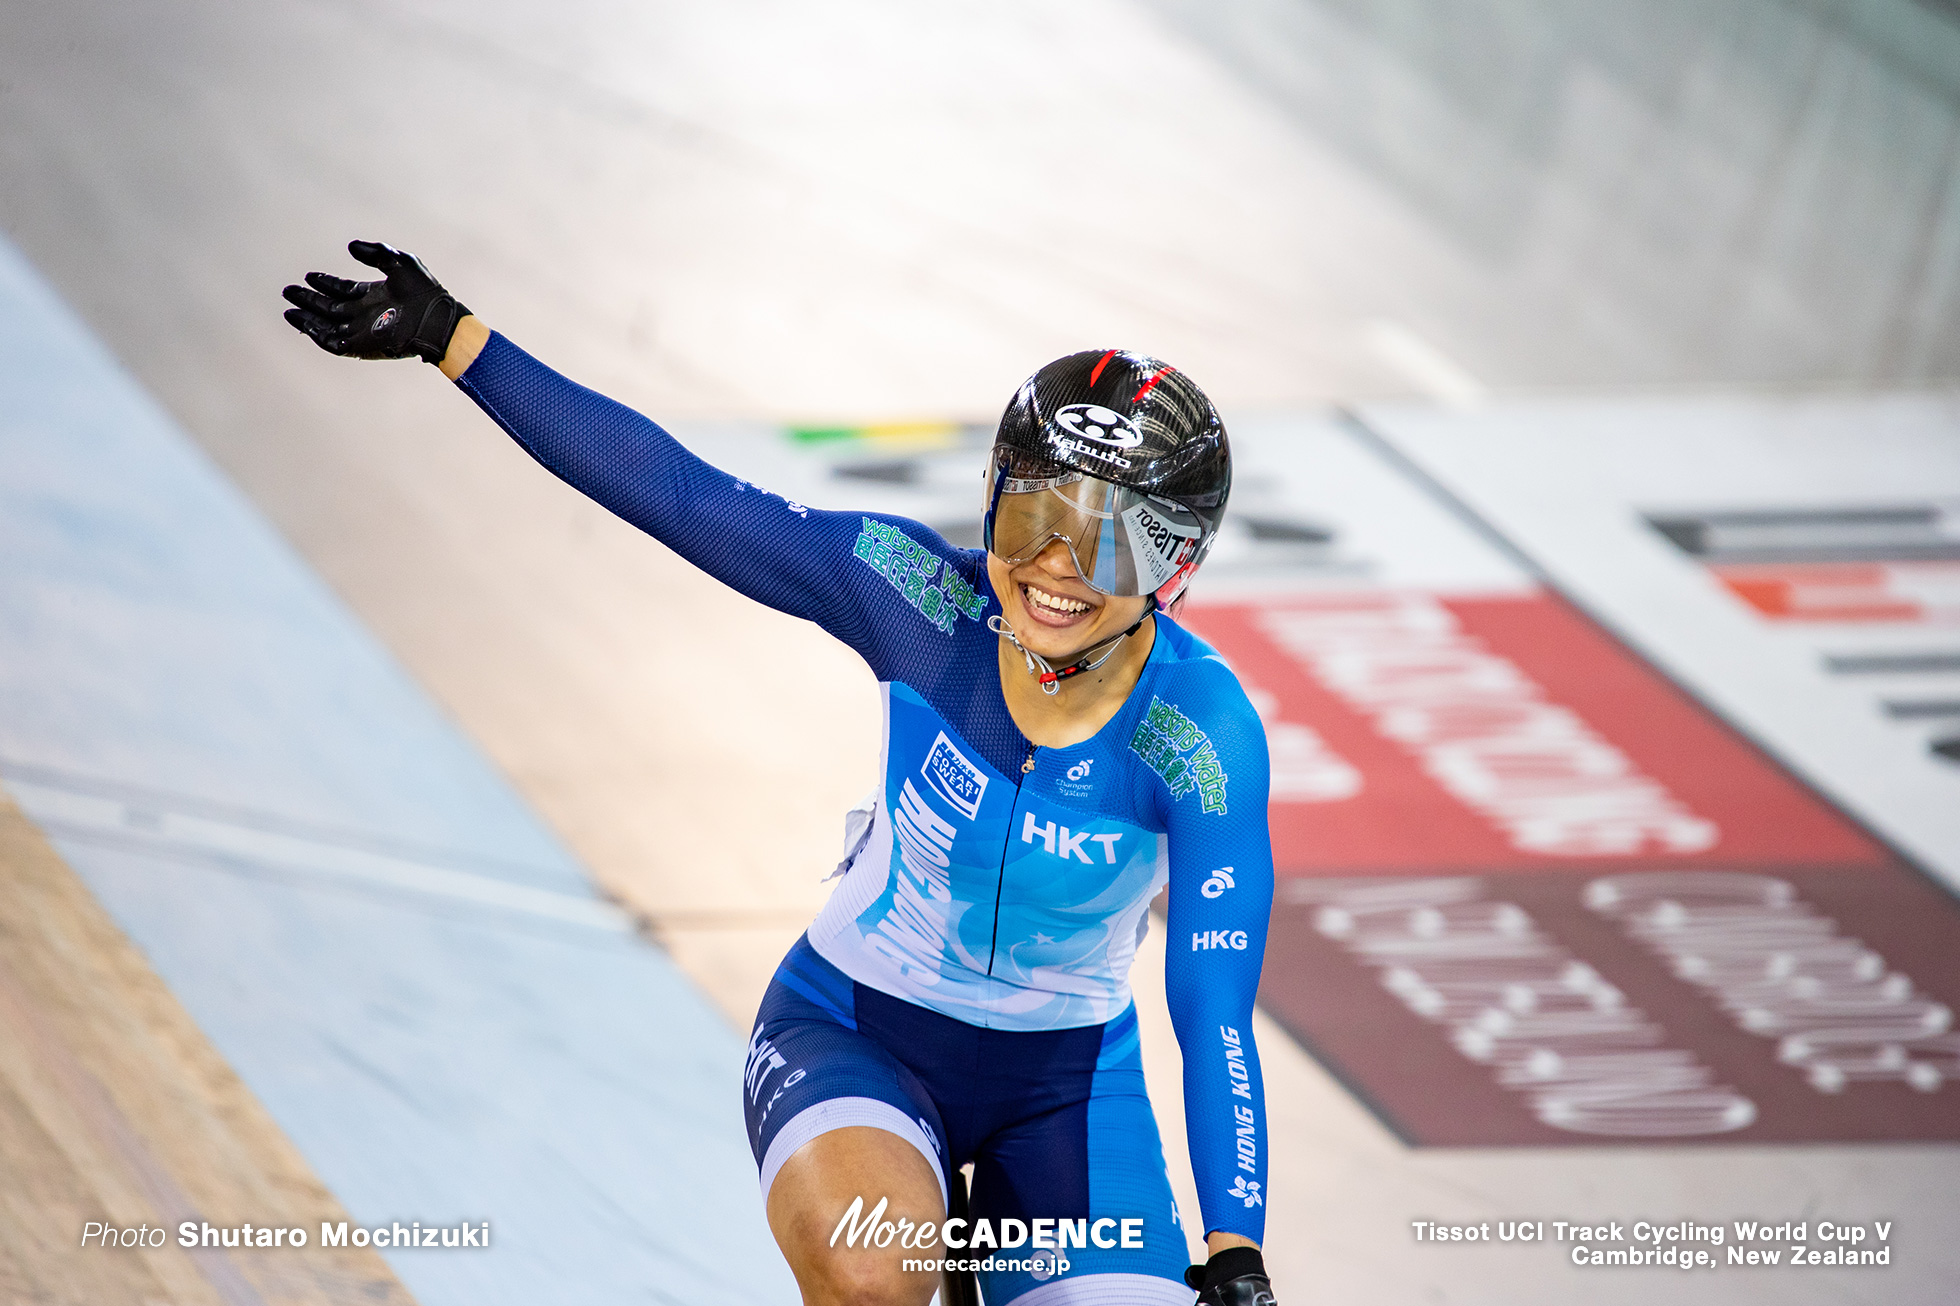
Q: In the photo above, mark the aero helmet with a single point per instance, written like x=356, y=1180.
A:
x=1123, y=459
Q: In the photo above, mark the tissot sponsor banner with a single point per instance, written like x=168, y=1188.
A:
x=1644, y=1007
x=1508, y=733
x=1533, y=890
x=1795, y=564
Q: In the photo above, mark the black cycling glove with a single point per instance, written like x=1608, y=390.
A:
x=1233, y=1277
x=408, y=313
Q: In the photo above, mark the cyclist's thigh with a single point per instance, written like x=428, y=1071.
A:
x=1095, y=1164
x=836, y=1122
x=810, y=1071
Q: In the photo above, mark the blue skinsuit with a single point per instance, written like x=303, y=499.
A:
x=967, y=984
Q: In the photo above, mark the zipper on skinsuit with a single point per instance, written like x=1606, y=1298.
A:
x=1000, y=887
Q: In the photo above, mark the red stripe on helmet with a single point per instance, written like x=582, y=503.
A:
x=1096, y=371
x=1155, y=377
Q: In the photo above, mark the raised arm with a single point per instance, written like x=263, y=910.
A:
x=844, y=571
x=779, y=552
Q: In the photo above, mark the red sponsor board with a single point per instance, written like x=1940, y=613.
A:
x=1533, y=893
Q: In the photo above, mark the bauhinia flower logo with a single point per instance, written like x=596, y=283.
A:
x=1246, y=1192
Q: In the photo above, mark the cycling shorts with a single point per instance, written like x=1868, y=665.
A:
x=1056, y=1124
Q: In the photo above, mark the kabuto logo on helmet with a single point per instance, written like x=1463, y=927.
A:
x=386, y=317
x=1103, y=425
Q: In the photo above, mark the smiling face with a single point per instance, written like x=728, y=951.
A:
x=1053, y=611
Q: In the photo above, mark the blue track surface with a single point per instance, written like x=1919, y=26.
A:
x=401, y=962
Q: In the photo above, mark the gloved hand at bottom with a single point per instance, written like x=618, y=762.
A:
x=1233, y=1277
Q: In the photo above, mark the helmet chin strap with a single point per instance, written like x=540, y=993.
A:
x=1051, y=679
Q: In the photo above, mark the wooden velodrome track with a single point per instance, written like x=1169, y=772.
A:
x=751, y=212
x=114, y=1108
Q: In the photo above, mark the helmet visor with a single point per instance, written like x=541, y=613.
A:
x=1123, y=542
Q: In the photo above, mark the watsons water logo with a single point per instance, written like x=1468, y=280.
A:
x=928, y=582
x=1103, y=425
x=1166, y=739
x=954, y=776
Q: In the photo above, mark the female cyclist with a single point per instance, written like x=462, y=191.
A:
x=1056, y=750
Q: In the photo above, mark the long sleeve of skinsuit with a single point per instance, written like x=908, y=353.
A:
x=776, y=551
x=1221, y=895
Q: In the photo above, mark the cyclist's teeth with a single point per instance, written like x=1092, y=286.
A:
x=1056, y=602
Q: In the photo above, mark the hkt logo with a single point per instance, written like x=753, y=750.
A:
x=1103, y=425
x=1221, y=880
x=1065, y=845
x=1204, y=940
x=764, y=1061
x=1080, y=771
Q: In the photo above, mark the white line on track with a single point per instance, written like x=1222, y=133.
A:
x=64, y=812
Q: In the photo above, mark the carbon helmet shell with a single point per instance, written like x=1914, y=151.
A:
x=1165, y=436
x=1131, y=420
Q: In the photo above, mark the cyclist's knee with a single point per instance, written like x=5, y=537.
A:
x=861, y=1279
x=867, y=1177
